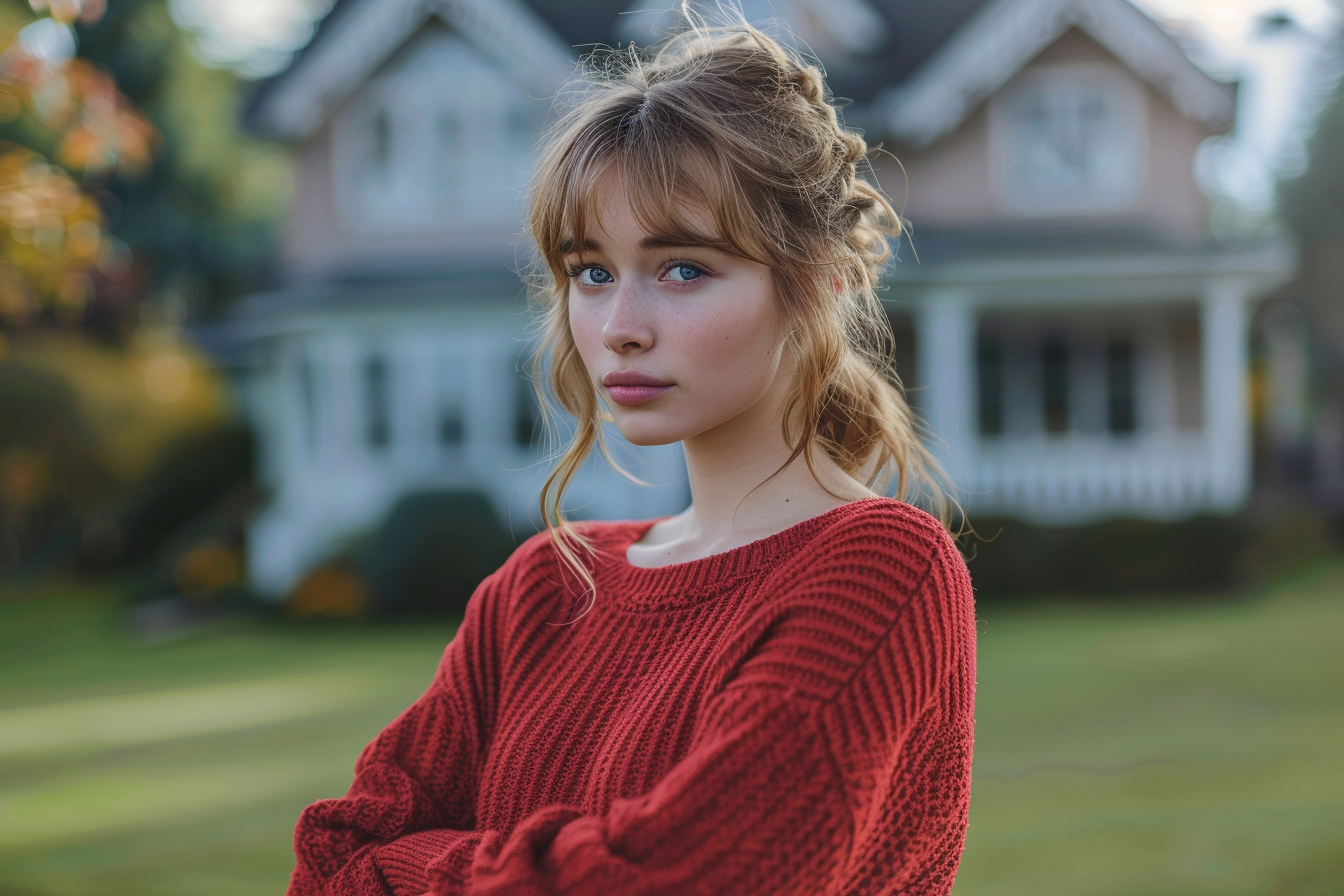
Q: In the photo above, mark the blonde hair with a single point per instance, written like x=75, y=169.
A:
x=731, y=121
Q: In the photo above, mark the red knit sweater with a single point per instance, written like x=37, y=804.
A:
x=793, y=716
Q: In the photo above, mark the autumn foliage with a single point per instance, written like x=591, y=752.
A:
x=52, y=234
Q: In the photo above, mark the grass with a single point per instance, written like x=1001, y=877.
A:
x=1162, y=748
x=180, y=768
x=1123, y=747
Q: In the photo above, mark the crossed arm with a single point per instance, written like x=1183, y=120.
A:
x=758, y=804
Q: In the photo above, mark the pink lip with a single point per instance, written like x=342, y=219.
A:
x=630, y=395
x=629, y=387
x=631, y=378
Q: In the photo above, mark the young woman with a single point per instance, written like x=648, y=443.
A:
x=770, y=693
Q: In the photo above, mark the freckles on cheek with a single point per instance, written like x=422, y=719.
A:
x=581, y=331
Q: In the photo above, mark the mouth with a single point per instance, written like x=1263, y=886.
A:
x=632, y=387
x=635, y=394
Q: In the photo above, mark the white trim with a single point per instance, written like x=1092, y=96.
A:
x=1005, y=35
x=375, y=29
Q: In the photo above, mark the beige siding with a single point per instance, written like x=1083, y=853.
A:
x=949, y=182
x=319, y=241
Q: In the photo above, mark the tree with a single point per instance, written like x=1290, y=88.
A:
x=51, y=233
x=108, y=104
x=123, y=182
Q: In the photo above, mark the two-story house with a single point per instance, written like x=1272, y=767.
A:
x=1071, y=334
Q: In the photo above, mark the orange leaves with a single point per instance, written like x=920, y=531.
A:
x=99, y=130
x=51, y=232
x=51, y=239
x=85, y=11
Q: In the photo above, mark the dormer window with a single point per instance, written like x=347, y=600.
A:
x=440, y=141
x=1066, y=140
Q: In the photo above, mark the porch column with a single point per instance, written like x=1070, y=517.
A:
x=945, y=329
x=1223, y=350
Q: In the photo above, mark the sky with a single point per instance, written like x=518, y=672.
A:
x=1284, y=73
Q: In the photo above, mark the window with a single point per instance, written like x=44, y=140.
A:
x=1120, y=411
x=377, y=419
x=1068, y=139
x=380, y=145
x=1055, y=383
x=989, y=373
x=452, y=395
x=308, y=397
x=452, y=428
x=527, y=422
x=451, y=133
x=441, y=140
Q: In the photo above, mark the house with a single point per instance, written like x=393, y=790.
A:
x=1071, y=334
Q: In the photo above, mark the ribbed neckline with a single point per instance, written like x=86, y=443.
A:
x=684, y=584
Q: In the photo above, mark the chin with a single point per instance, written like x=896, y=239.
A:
x=649, y=436
x=647, y=429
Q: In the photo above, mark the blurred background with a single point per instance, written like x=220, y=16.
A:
x=264, y=423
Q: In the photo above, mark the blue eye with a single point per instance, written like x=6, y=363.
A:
x=595, y=276
x=683, y=273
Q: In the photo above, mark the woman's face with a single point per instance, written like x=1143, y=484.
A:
x=700, y=326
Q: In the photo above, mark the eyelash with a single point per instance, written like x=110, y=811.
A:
x=683, y=263
x=574, y=270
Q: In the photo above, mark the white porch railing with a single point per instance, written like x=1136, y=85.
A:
x=1076, y=478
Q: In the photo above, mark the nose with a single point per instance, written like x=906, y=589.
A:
x=627, y=327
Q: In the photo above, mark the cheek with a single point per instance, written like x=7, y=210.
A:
x=740, y=337
x=585, y=330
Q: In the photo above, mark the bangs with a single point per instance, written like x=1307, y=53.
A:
x=674, y=183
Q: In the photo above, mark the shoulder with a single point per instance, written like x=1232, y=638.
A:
x=898, y=543
x=884, y=520
x=876, y=567
x=878, y=585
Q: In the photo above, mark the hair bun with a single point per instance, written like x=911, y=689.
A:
x=807, y=81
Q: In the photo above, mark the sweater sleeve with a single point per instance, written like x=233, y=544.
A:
x=412, y=802
x=755, y=807
x=792, y=763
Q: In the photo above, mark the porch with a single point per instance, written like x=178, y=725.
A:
x=1063, y=390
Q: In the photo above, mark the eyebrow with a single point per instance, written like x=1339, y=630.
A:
x=649, y=243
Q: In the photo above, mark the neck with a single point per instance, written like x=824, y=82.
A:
x=729, y=491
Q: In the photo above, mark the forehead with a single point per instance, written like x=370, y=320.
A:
x=621, y=202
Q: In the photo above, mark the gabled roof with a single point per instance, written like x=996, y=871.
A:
x=937, y=63
x=1007, y=34
x=359, y=36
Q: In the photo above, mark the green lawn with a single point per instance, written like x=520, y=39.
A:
x=1126, y=747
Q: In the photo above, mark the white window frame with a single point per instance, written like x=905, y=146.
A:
x=418, y=198
x=1124, y=147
